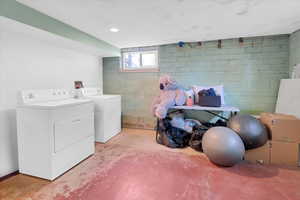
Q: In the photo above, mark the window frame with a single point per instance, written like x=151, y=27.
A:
x=145, y=68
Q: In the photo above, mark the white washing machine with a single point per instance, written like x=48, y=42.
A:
x=55, y=132
x=107, y=114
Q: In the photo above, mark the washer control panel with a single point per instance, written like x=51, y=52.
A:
x=32, y=96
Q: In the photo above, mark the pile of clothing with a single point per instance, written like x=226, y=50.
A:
x=176, y=132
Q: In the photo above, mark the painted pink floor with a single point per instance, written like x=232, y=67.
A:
x=176, y=176
x=129, y=172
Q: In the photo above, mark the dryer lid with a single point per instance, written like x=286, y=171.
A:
x=105, y=97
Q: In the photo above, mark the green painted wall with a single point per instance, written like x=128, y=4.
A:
x=250, y=74
x=19, y=12
x=294, y=49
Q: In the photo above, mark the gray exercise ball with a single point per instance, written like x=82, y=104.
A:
x=223, y=146
x=250, y=129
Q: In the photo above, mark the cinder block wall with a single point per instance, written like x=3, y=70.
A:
x=294, y=49
x=250, y=73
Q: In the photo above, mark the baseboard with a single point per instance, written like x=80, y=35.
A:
x=9, y=175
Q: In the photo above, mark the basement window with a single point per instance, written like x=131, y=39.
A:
x=140, y=60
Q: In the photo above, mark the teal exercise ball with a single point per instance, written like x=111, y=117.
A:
x=223, y=146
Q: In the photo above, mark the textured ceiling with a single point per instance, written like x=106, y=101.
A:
x=152, y=22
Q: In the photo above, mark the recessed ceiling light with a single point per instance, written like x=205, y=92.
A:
x=114, y=30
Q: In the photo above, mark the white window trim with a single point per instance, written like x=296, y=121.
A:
x=150, y=68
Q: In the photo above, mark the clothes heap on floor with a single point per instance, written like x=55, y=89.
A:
x=176, y=132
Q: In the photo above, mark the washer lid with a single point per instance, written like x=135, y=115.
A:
x=50, y=105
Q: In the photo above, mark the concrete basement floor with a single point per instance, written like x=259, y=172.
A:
x=132, y=166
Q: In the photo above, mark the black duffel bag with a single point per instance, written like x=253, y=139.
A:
x=170, y=136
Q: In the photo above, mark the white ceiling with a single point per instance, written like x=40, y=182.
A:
x=153, y=22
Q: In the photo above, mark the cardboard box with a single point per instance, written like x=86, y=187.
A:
x=282, y=127
x=285, y=153
x=259, y=155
